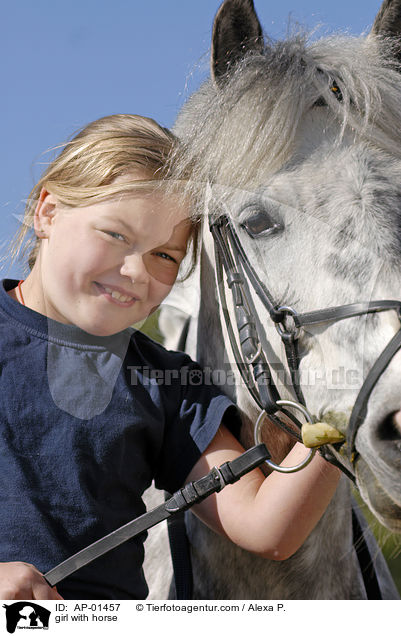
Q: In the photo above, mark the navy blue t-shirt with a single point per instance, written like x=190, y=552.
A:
x=86, y=424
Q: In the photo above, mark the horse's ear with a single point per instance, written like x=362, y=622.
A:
x=236, y=31
x=388, y=20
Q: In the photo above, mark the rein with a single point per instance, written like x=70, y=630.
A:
x=250, y=358
x=193, y=493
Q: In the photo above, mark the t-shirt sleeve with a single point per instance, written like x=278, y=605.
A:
x=191, y=424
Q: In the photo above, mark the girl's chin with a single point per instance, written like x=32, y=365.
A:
x=103, y=330
x=101, y=327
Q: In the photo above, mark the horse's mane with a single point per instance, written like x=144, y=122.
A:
x=246, y=128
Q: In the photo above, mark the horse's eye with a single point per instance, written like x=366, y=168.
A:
x=336, y=92
x=260, y=222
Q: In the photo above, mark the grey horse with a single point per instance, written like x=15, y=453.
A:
x=298, y=143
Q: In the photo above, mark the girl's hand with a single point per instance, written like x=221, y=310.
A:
x=22, y=581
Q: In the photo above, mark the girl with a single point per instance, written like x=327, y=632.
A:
x=92, y=410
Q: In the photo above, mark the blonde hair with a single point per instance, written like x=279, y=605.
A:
x=85, y=171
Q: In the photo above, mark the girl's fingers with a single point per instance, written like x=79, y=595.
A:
x=42, y=591
x=22, y=581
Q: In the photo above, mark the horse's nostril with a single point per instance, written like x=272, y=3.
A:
x=397, y=421
x=390, y=429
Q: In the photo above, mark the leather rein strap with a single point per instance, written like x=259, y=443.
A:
x=193, y=493
x=249, y=355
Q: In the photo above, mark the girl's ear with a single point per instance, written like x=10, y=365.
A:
x=44, y=213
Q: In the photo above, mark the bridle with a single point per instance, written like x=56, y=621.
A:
x=251, y=360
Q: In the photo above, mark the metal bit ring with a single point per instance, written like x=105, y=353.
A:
x=258, y=440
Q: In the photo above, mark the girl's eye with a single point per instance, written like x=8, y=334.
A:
x=165, y=256
x=260, y=223
x=116, y=235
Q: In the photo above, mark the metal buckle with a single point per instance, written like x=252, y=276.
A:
x=254, y=356
x=258, y=440
x=282, y=329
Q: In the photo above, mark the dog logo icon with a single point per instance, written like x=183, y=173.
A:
x=26, y=615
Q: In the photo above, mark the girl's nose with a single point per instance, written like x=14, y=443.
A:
x=134, y=268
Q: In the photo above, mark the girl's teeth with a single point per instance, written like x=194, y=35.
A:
x=117, y=295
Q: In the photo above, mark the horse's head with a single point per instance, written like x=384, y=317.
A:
x=302, y=143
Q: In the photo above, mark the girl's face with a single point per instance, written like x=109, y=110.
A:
x=106, y=266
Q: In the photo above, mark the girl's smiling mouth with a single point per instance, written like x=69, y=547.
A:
x=116, y=295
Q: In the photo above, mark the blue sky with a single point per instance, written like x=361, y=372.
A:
x=64, y=64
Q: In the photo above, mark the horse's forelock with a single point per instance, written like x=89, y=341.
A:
x=247, y=128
